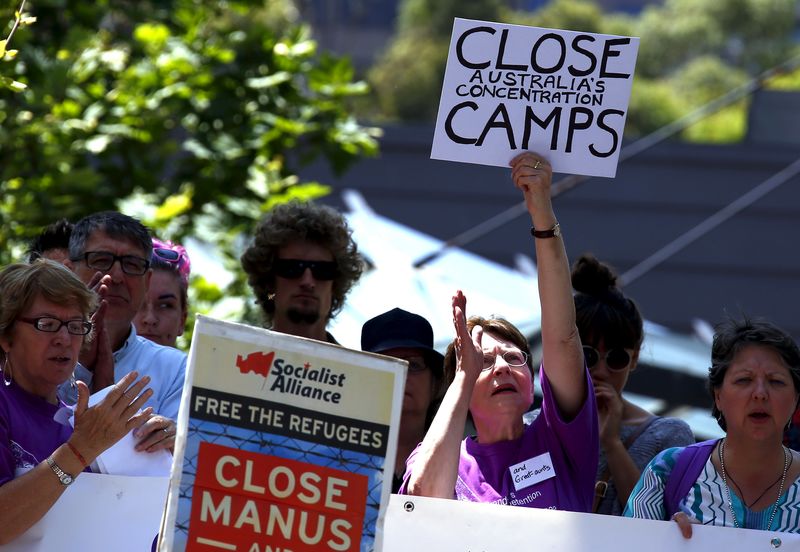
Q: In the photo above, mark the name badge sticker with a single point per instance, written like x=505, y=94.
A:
x=532, y=471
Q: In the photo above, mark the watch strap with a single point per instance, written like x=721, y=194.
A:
x=553, y=232
x=63, y=477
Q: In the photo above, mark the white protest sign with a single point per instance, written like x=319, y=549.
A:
x=414, y=523
x=511, y=88
x=98, y=513
x=284, y=443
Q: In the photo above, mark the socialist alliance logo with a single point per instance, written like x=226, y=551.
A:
x=303, y=380
x=258, y=363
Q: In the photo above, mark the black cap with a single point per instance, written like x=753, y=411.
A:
x=398, y=328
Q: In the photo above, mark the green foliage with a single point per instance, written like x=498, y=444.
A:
x=691, y=52
x=408, y=80
x=653, y=104
x=702, y=80
x=786, y=81
x=435, y=18
x=200, y=113
x=7, y=54
x=574, y=15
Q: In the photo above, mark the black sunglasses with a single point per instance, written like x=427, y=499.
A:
x=294, y=268
x=169, y=255
x=616, y=359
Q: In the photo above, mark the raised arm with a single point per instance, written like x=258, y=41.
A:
x=562, y=356
x=435, y=464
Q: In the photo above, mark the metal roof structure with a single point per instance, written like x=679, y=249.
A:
x=668, y=360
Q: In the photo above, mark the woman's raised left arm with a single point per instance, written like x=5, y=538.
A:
x=562, y=356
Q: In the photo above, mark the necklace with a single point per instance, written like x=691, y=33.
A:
x=728, y=492
x=753, y=502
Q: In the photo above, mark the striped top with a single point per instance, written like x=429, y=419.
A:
x=707, y=501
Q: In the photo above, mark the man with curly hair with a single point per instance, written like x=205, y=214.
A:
x=301, y=265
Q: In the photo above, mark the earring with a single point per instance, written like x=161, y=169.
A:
x=270, y=296
x=7, y=375
x=788, y=425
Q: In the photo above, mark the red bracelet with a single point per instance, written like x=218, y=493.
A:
x=84, y=463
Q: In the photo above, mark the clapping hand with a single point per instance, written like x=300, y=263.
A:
x=98, y=427
x=469, y=351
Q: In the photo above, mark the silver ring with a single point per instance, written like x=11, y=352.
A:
x=538, y=164
x=166, y=430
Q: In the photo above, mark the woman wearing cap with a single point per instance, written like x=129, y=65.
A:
x=408, y=336
x=550, y=463
x=162, y=317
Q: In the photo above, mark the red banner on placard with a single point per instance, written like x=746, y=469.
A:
x=247, y=501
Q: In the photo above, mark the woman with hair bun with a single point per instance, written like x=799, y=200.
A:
x=611, y=330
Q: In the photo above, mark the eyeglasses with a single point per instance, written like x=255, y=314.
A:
x=52, y=325
x=104, y=260
x=512, y=358
x=617, y=359
x=294, y=268
x=415, y=364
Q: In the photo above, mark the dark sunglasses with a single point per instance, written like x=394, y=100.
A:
x=294, y=268
x=169, y=255
x=616, y=359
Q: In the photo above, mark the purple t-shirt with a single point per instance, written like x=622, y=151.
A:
x=552, y=465
x=28, y=432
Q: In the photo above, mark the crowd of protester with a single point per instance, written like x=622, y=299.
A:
x=100, y=304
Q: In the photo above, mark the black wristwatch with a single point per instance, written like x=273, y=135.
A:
x=64, y=477
x=553, y=232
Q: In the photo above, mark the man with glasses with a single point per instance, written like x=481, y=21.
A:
x=111, y=253
x=301, y=265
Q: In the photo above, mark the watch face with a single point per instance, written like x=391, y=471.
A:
x=66, y=479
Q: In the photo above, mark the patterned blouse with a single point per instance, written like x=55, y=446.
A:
x=707, y=500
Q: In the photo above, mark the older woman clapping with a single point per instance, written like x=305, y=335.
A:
x=550, y=463
x=43, y=322
x=747, y=479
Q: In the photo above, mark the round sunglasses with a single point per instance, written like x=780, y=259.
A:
x=617, y=359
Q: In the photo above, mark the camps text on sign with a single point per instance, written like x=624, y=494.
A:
x=510, y=88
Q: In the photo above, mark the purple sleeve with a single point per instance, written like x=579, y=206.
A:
x=577, y=440
x=403, y=490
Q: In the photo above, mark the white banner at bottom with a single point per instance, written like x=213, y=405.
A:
x=415, y=523
x=99, y=513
